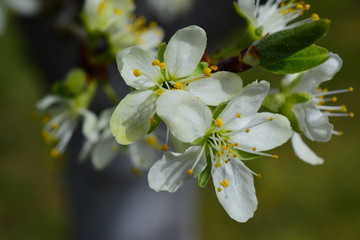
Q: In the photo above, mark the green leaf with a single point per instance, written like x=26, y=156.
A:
x=303, y=60
x=204, y=176
x=161, y=51
x=282, y=44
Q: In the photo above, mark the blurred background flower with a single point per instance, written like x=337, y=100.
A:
x=297, y=201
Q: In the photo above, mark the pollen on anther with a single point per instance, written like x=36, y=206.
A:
x=247, y=130
x=238, y=115
x=156, y=62
x=162, y=65
x=276, y=156
x=179, y=85
x=118, y=11
x=214, y=67
x=352, y=114
x=137, y=73
x=306, y=6
x=219, y=189
x=270, y=118
x=258, y=176
x=254, y=148
x=343, y=108
x=164, y=147
x=315, y=17
x=207, y=72
x=190, y=171
x=152, y=120
x=351, y=89
x=225, y=183
x=235, y=155
x=334, y=99
x=218, y=122
x=220, y=153
x=217, y=164
x=236, y=144
x=54, y=153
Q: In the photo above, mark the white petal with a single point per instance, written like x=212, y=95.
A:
x=104, y=118
x=104, y=153
x=85, y=150
x=137, y=58
x=247, y=103
x=220, y=87
x=316, y=126
x=187, y=117
x=303, y=151
x=239, y=198
x=179, y=145
x=248, y=9
x=264, y=134
x=48, y=101
x=89, y=127
x=142, y=155
x=184, y=51
x=314, y=77
x=170, y=172
x=24, y=7
x=131, y=118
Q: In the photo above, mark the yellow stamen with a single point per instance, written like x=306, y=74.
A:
x=254, y=148
x=352, y=114
x=307, y=7
x=237, y=144
x=334, y=99
x=101, y=7
x=276, y=156
x=152, y=120
x=315, y=17
x=151, y=140
x=162, y=65
x=178, y=85
x=54, y=153
x=218, y=122
x=55, y=126
x=156, y=62
x=207, y=72
x=159, y=91
x=258, y=176
x=270, y=119
x=235, y=155
x=214, y=67
x=219, y=189
x=284, y=12
x=220, y=153
x=351, y=89
x=46, y=118
x=340, y=133
x=114, y=149
x=225, y=183
x=247, y=130
x=118, y=11
x=137, y=73
x=299, y=6
x=190, y=171
x=217, y=164
x=225, y=147
x=164, y=147
x=343, y=108
x=238, y=115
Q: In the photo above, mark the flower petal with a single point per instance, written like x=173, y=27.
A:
x=89, y=127
x=238, y=198
x=184, y=51
x=140, y=59
x=248, y=9
x=187, y=117
x=131, y=118
x=265, y=131
x=220, y=87
x=247, y=103
x=48, y=101
x=314, y=77
x=303, y=151
x=316, y=126
x=170, y=172
x=142, y=155
x=104, y=152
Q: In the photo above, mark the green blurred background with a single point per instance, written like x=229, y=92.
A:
x=296, y=200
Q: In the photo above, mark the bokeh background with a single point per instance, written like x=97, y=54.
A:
x=296, y=200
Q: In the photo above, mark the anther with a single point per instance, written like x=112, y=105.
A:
x=351, y=115
x=190, y=171
x=55, y=126
x=258, y=176
x=254, y=148
x=217, y=164
x=343, y=108
x=351, y=89
x=152, y=120
x=334, y=99
x=159, y=91
x=137, y=73
x=118, y=11
x=207, y=72
x=54, y=153
x=220, y=153
x=307, y=7
x=101, y=6
x=276, y=156
x=236, y=144
x=270, y=118
x=151, y=140
x=247, y=130
x=235, y=155
x=238, y=115
x=315, y=17
x=162, y=65
x=219, y=189
x=114, y=149
x=225, y=183
x=214, y=67
x=299, y=7
x=218, y=122
x=178, y=85
x=164, y=147
x=156, y=62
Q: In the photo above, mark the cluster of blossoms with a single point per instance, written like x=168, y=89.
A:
x=212, y=119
